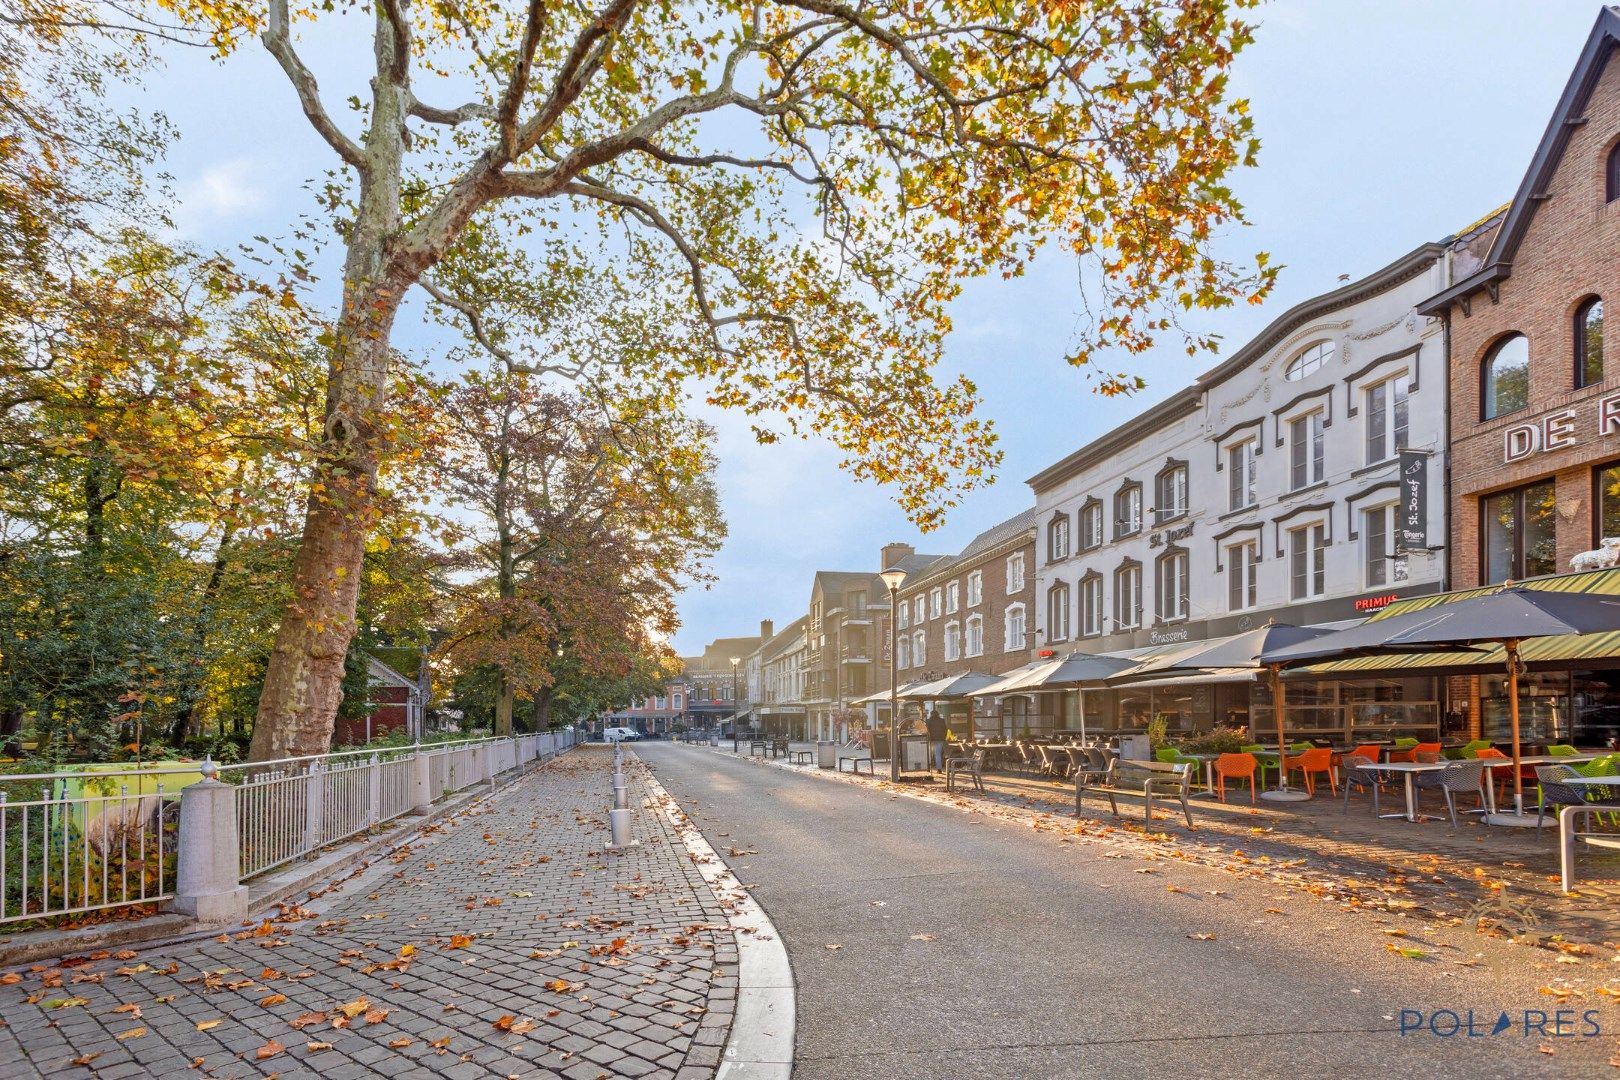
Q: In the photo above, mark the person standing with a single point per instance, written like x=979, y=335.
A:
x=936, y=739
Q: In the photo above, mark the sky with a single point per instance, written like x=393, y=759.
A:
x=1384, y=124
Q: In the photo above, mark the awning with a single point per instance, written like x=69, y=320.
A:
x=1061, y=673
x=1206, y=677
x=953, y=686
x=1543, y=654
x=882, y=696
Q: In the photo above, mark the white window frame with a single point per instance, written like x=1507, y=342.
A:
x=973, y=636
x=1243, y=557
x=1091, y=526
x=1128, y=587
x=1394, y=570
x=1307, y=449
x=936, y=598
x=953, y=641
x=1177, y=590
x=1015, y=573
x=919, y=611
x=1091, y=606
x=1009, y=642
x=919, y=648
x=902, y=656
x=1394, y=389
x=1176, y=489
x=903, y=615
x=953, y=598
x=1057, y=629
x=1241, y=463
x=1307, y=549
x=1059, y=542
x=975, y=588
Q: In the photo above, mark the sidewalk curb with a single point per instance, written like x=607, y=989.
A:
x=33, y=946
x=760, y=1043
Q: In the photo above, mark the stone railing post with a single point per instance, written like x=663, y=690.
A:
x=208, y=884
x=374, y=790
x=314, y=807
x=421, y=782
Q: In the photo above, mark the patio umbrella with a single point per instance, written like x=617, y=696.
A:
x=1075, y=671
x=952, y=686
x=1505, y=617
x=1246, y=650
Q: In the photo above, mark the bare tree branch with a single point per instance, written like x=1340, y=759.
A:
x=278, y=41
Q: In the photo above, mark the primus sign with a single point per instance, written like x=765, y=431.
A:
x=1558, y=430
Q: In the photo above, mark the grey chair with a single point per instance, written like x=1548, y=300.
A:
x=1457, y=778
x=1358, y=772
x=1555, y=793
x=969, y=763
x=1051, y=764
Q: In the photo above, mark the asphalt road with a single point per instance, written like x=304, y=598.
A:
x=1050, y=959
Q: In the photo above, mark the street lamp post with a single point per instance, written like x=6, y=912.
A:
x=734, y=662
x=893, y=577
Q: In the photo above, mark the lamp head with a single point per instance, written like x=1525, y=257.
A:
x=893, y=577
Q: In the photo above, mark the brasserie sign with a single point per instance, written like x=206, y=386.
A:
x=1558, y=430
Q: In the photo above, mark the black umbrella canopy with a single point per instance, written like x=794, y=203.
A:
x=1511, y=614
x=1241, y=650
x=1078, y=669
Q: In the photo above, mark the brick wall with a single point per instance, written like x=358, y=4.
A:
x=1570, y=251
x=995, y=659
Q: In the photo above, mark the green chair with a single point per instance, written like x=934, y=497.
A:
x=1469, y=750
x=1267, y=764
x=1561, y=750
x=1405, y=743
x=1301, y=747
x=1608, y=765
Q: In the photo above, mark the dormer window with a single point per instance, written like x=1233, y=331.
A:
x=1309, y=360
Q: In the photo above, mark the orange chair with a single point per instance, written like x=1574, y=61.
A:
x=1238, y=767
x=1410, y=753
x=1490, y=753
x=1311, y=762
x=1371, y=751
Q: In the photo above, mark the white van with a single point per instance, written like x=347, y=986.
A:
x=620, y=734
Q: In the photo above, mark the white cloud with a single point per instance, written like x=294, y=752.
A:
x=223, y=191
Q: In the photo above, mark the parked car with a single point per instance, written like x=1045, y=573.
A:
x=620, y=734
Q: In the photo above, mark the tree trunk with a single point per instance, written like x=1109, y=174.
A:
x=505, y=570
x=303, y=683
x=542, y=710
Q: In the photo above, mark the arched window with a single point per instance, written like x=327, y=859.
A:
x=1611, y=173
x=1505, y=377
x=1589, y=342
x=1309, y=359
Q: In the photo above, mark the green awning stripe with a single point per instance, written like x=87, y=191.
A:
x=1552, y=650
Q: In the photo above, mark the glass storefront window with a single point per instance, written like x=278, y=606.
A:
x=1608, y=499
x=1580, y=707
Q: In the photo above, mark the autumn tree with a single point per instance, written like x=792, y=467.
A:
x=789, y=192
x=584, y=517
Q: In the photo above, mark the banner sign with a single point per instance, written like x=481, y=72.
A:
x=1412, y=525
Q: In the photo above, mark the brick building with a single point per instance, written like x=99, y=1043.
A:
x=1535, y=402
x=973, y=611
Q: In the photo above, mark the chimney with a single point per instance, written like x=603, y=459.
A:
x=767, y=629
x=893, y=553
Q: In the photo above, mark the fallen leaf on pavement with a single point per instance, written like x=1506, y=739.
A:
x=269, y=1049
x=132, y=1033
x=273, y=999
x=1202, y=937
x=314, y=1047
x=354, y=1008
x=86, y=1059
x=922, y=937
x=832, y=946
x=208, y=1025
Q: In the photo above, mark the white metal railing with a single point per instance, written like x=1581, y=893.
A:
x=75, y=842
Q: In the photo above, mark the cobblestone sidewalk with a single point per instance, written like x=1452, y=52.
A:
x=505, y=942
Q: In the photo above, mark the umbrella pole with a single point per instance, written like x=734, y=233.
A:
x=1281, y=792
x=1082, y=714
x=1513, y=716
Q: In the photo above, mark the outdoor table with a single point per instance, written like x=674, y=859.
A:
x=1410, y=769
x=1593, y=781
x=1530, y=759
x=1209, y=771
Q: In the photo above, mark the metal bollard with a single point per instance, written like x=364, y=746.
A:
x=621, y=797
x=620, y=822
